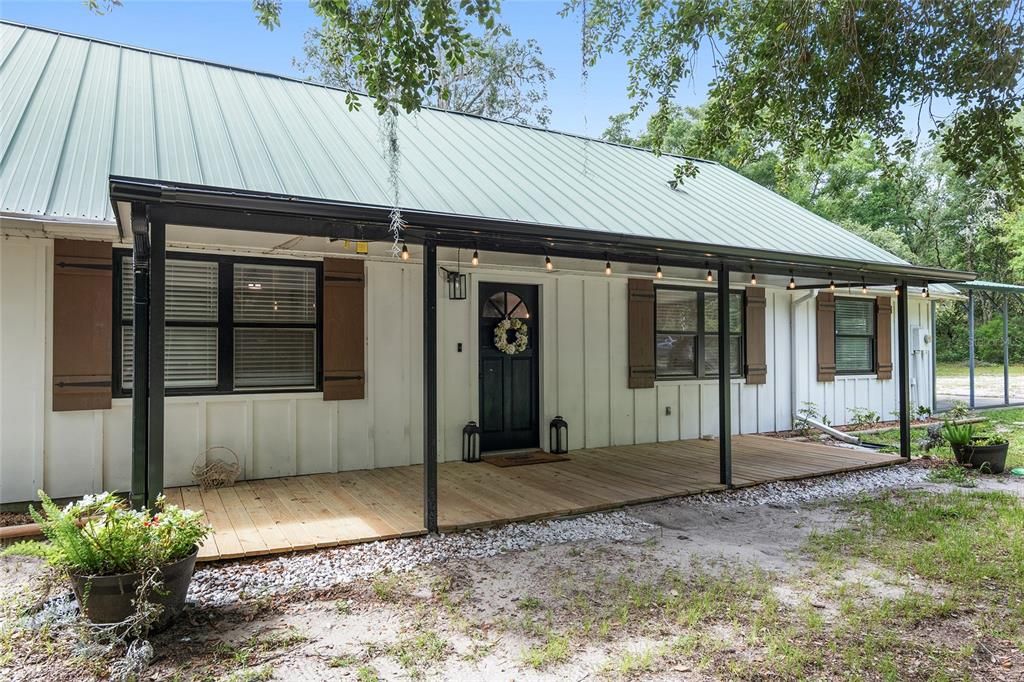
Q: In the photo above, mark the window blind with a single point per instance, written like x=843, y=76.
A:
x=190, y=357
x=855, y=335
x=274, y=293
x=275, y=358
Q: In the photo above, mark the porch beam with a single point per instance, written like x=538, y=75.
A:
x=140, y=354
x=155, y=375
x=724, y=381
x=903, y=351
x=430, y=386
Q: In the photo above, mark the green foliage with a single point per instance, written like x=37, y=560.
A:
x=401, y=51
x=959, y=410
x=101, y=535
x=502, y=78
x=793, y=77
x=28, y=548
x=957, y=434
x=863, y=417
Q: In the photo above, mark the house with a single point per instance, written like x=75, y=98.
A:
x=221, y=237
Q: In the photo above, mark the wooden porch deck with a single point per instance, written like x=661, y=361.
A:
x=256, y=518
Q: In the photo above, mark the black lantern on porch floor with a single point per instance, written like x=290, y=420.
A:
x=558, y=438
x=471, y=442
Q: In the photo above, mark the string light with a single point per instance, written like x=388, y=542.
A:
x=897, y=288
x=710, y=276
x=863, y=286
x=548, y=264
x=475, y=261
x=753, y=279
x=405, y=252
x=792, y=282
x=658, y=273
x=607, y=266
x=831, y=283
x=925, y=292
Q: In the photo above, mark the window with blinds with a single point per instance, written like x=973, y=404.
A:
x=190, y=344
x=855, y=336
x=232, y=325
x=275, y=326
x=686, y=333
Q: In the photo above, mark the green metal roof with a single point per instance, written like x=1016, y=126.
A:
x=76, y=111
x=983, y=285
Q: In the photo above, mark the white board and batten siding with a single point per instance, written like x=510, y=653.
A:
x=583, y=327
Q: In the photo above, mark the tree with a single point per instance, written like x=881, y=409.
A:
x=501, y=78
x=797, y=76
x=400, y=51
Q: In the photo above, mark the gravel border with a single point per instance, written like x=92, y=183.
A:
x=223, y=584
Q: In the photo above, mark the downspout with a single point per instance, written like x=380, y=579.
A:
x=793, y=303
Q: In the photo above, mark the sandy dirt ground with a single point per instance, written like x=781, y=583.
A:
x=985, y=386
x=500, y=618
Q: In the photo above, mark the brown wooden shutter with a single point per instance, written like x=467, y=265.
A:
x=757, y=367
x=826, y=337
x=83, y=305
x=344, y=326
x=883, y=337
x=641, y=333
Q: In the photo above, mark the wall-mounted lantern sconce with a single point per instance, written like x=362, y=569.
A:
x=456, y=285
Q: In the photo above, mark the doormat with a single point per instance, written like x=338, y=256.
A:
x=519, y=459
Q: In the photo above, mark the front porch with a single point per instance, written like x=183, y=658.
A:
x=263, y=517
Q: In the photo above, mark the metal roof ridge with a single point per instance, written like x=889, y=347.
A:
x=268, y=74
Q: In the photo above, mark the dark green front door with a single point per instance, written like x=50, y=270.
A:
x=508, y=381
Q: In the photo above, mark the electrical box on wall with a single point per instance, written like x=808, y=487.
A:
x=920, y=339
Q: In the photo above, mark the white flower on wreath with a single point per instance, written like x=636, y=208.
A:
x=518, y=344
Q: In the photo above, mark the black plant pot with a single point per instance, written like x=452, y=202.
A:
x=108, y=598
x=962, y=453
x=989, y=458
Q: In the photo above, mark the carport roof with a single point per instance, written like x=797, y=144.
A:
x=77, y=111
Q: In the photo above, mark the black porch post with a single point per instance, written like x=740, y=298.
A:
x=724, y=381
x=140, y=355
x=430, y=386
x=970, y=344
x=903, y=348
x=157, y=305
x=1006, y=349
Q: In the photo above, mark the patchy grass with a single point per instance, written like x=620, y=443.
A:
x=416, y=654
x=28, y=548
x=960, y=369
x=1008, y=422
x=554, y=649
x=954, y=474
x=386, y=587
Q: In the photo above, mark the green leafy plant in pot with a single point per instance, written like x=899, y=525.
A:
x=125, y=566
x=959, y=437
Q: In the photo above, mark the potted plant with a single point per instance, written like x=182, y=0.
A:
x=125, y=566
x=959, y=437
x=988, y=453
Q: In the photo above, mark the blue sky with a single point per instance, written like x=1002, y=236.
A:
x=226, y=31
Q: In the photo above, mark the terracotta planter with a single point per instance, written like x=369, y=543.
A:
x=108, y=598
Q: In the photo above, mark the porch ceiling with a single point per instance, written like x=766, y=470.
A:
x=257, y=518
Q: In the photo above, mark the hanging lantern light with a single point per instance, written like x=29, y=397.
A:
x=405, y=252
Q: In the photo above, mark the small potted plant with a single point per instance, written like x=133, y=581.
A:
x=988, y=453
x=124, y=565
x=959, y=437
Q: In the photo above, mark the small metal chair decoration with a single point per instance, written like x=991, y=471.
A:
x=471, y=442
x=558, y=437
x=216, y=472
